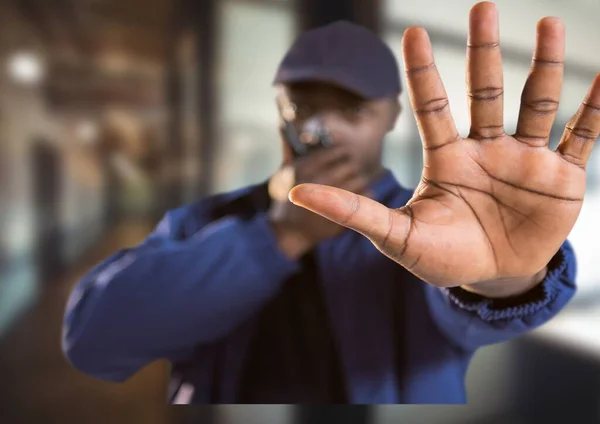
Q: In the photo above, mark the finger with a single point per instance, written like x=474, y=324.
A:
x=427, y=94
x=485, y=86
x=541, y=94
x=583, y=128
x=386, y=228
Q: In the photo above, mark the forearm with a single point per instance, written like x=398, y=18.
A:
x=160, y=302
x=293, y=244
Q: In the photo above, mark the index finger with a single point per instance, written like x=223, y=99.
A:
x=428, y=96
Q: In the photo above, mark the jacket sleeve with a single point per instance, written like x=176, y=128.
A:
x=471, y=321
x=164, y=297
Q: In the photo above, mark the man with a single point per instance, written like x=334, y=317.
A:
x=255, y=299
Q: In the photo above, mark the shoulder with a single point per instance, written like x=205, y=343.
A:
x=186, y=220
x=389, y=192
x=397, y=197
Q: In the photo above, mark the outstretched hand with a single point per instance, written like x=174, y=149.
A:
x=489, y=206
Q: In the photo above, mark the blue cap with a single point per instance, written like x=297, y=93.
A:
x=345, y=55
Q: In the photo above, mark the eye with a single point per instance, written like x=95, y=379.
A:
x=357, y=111
x=303, y=111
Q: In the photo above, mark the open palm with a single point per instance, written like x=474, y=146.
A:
x=492, y=205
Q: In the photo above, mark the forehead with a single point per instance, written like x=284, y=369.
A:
x=316, y=92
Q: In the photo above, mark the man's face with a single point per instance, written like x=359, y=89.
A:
x=358, y=124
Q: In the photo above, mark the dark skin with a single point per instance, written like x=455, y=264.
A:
x=492, y=209
x=357, y=124
x=357, y=127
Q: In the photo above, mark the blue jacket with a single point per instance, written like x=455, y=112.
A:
x=192, y=290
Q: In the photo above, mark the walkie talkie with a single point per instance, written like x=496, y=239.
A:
x=314, y=134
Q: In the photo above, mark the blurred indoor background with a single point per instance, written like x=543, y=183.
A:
x=113, y=111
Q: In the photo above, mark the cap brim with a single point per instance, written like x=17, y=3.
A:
x=333, y=77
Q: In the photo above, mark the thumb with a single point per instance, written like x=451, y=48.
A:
x=386, y=228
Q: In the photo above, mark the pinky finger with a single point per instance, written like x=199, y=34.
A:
x=583, y=128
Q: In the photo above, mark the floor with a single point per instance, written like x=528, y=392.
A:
x=38, y=385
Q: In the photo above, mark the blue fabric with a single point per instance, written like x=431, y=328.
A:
x=192, y=290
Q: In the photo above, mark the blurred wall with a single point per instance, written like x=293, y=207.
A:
x=22, y=118
x=118, y=160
